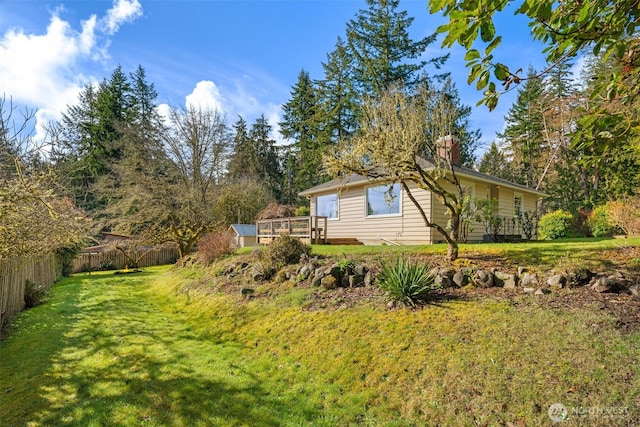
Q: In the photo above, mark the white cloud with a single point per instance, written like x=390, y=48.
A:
x=123, y=11
x=206, y=95
x=232, y=104
x=43, y=70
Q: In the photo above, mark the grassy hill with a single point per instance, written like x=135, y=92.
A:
x=184, y=346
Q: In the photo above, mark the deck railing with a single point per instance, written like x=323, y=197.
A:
x=309, y=229
x=511, y=228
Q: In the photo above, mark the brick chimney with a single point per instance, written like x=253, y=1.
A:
x=449, y=149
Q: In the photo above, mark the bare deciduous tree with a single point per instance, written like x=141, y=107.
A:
x=198, y=141
x=402, y=140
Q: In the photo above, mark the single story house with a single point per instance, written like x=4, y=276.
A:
x=244, y=235
x=376, y=212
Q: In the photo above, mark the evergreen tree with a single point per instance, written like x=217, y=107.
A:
x=268, y=160
x=523, y=135
x=243, y=162
x=382, y=51
x=338, y=103
x=495, y=163
x=144, y=100
x=300, y=125
x=605, y=142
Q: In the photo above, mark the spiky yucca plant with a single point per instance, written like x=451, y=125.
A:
x=407, y=282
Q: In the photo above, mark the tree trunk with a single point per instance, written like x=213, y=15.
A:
x=454, y=236
x=452, y=251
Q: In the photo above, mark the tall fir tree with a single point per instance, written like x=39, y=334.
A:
x=243, y=161
x=605, y=142
x=495, y=163
x=523, y=136
x=337, y=99
x=300, y=126
x=383, y=52
x=268, y=158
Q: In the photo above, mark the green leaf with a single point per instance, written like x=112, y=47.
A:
x=544, y=11
x=487, y=31
x=523, y=9
x=584, y=12
x=494, y=43
x=501, y=72
x=472, y=54
x=483, y=80
x=474, y=72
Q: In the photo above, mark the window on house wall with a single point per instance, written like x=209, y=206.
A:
x=517, y=205
x=383, y=200
x=327, y=206
x=469, y=189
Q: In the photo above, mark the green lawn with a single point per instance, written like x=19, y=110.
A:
x=165, y=348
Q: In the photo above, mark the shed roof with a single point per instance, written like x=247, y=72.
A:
x=244, y=230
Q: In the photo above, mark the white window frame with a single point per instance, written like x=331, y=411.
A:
x=337, y=211
x=520, y=208
x=386, y=215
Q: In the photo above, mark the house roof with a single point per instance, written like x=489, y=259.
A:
x=244, y=230
x=354, y=180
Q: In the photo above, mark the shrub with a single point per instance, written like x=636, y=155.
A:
x=274, y=210
x=66, y=255
x=34, y=294
x=303, y=211
x=406, y=282
x=529, y=223
x=285, y=250
x=599, y=223
x=107, y=265
x=215, y=245
x=555, y=225
x=625, y=214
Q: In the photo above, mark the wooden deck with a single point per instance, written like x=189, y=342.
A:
x=309, y=229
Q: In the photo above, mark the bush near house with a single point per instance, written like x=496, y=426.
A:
x=599, y=223
x=285, y=250
x=555, y=225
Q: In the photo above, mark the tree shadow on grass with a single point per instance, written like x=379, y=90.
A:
x=112, y=358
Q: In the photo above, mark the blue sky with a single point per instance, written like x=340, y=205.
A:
x=240, y=56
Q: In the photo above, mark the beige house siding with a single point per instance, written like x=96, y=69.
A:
x=475, y=230
x=407, y=227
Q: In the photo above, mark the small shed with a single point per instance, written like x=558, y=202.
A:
x=244, y=235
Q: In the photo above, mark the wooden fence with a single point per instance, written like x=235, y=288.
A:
x=115, y=259
x=42, y=270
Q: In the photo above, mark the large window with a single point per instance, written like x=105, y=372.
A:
x=383, y=200
x=327, y=206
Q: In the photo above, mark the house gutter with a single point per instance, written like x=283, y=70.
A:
x=461, y=173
